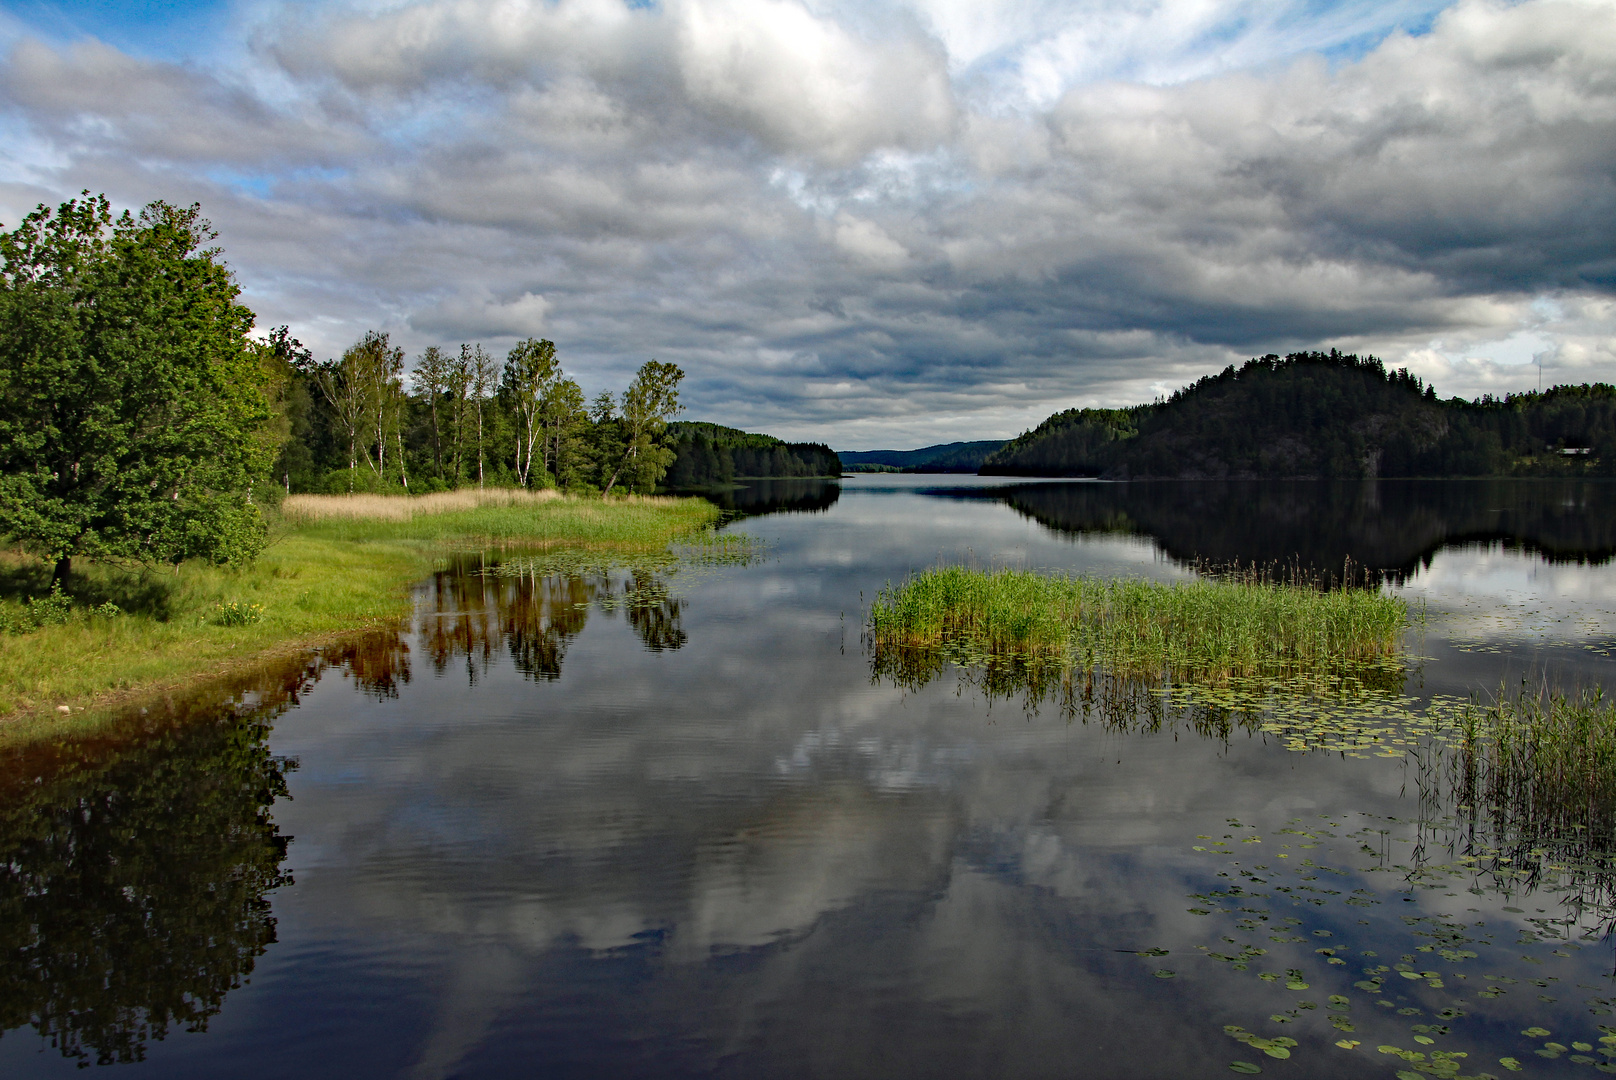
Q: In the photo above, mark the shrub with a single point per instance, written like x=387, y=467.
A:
x=16, y=619
x=52, y=610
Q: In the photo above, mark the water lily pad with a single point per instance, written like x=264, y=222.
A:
x=1165, y=973
x=1245, y=1067
x=1536, y=1032
x=1349, y=1044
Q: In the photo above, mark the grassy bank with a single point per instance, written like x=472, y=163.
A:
x=336, y=564
x=1202, y=630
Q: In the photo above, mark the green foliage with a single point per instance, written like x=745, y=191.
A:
x=132, y=404
x=1075, y=442
x=1323, y=415
x=529, y=378
x=53, y=609
x=709, y=455
x=16, y=619
x=238, y=613
x=650, y=401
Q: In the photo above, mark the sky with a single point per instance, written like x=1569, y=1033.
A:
x=873, y=223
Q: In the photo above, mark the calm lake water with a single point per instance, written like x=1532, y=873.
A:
x=666, y=821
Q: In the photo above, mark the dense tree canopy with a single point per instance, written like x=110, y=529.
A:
x=710, y=455
x=131, y=399
x=1324, y=415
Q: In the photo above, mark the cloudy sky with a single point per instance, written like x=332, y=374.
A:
x=871, y=222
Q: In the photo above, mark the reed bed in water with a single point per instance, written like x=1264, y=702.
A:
x=1203, y=630
x=1541, y=762
x=361, y=507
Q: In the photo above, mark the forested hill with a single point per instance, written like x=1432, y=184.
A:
x=708, y=455
x=1323, y=415
x=954, y=457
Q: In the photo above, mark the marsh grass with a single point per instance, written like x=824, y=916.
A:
x=1206, y=632
x=1540, y=763
x=320, y=578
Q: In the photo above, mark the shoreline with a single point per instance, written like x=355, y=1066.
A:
x=322, y=580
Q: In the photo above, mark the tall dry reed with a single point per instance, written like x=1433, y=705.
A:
x=360, y=507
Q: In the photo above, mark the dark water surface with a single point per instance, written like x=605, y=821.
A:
x=665, y=822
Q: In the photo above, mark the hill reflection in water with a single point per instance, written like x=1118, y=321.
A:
x=1389, y=527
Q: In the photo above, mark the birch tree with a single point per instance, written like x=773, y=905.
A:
x=651, y=400
x=461, y=374
x=484, y=376
x=530, y=374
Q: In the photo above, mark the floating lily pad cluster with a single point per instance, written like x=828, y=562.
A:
x=1426, y=985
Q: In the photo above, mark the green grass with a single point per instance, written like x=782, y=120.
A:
x=317, y=580
x=1206, y=631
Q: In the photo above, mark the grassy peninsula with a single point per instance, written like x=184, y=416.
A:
x=334, y=565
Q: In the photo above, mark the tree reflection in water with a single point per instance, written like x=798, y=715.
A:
x=134, y=881
x=136, y=866
x=471, y=611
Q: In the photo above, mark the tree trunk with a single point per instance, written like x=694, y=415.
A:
x=402, y=475
x=64, y=566
x=632, y=452
x=437, y=456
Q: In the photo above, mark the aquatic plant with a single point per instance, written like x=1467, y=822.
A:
x=1436, y=992
x=1203, y=631
x=1541, y=761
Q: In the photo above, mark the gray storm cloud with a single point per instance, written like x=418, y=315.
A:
x=888, y=223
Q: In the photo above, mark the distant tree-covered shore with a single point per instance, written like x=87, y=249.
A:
x=711, y=455
x=1316, y=415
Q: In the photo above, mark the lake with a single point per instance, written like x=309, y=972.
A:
x=668, y=820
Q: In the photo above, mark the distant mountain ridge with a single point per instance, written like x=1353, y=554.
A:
x=1318, y=415
x=954, y=457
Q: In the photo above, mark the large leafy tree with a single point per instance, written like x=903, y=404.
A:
x=131, y=399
